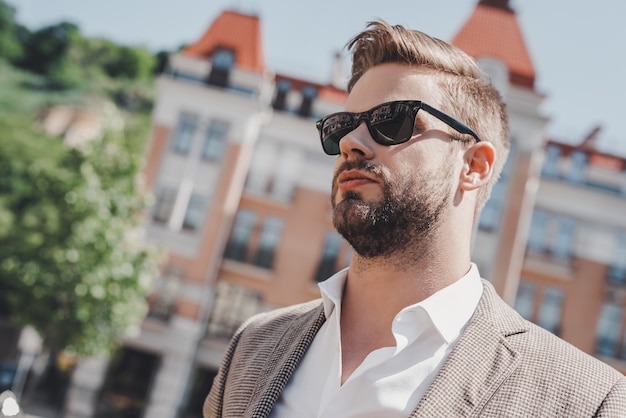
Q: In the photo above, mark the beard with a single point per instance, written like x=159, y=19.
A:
x=401, y=222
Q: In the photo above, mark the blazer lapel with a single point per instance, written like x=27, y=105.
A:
x=287, y=354
x=478, y=365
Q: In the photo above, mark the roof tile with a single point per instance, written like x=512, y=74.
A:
x=494, y=32
x=236, y=31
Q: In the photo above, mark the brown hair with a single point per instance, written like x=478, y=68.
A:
x=466, y=96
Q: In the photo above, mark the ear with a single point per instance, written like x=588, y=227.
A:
x=478, y=165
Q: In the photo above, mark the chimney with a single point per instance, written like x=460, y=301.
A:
x=591, y=140
x=337, y=77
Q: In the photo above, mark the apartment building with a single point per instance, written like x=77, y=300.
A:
x=242, y=204
x=573, y=280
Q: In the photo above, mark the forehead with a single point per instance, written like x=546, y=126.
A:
x=389, y=82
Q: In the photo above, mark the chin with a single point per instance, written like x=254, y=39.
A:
x=350, y=195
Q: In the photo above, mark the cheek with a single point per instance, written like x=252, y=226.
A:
x=334, y=181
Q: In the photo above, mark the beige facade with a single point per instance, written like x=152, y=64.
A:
x=574, y=274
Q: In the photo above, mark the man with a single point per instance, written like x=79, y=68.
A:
x=410, y=329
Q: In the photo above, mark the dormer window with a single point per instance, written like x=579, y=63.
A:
x=309, y=93
x=551, y=163
x=578, y=161
x=222, y=62
x=282, y=90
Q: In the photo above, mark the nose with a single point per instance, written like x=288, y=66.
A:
x=357, y=144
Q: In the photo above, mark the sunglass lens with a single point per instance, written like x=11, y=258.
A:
x=330, y=145
x=395, y=127
x=333, y=129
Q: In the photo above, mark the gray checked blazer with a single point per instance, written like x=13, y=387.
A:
x=502, y=366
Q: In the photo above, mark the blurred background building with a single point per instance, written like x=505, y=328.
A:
x=241, y=190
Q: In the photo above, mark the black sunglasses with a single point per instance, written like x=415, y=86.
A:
x=389, y=123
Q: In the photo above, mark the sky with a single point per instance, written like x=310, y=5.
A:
x=578, y=47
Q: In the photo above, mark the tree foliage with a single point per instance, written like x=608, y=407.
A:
x=72, y=259
x=46, y=49
x=73, y=262
x=10, y=31
x=65, y=57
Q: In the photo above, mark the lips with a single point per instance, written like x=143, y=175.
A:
x=353, y=178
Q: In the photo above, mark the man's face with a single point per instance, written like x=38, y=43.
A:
x=388, y=199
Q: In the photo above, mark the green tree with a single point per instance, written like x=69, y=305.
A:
x=161, y=58
x=46, y=48
x=10, y=32
x=72, y=259
x=131, y=63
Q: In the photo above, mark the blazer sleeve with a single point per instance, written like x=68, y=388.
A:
x=614, y=405
x=215, y=400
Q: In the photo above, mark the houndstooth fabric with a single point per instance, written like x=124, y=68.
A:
x=503, y=366
x=260, y=360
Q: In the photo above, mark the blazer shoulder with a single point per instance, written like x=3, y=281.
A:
x=279, y=317
x=541, y=352
x=547, y=351
x=541, y=374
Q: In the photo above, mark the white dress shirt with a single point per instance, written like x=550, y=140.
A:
x=391, y=380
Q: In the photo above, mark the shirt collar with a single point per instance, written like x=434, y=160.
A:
x=449, y=309
x=332, y=290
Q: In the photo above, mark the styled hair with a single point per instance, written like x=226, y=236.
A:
x=466, y=95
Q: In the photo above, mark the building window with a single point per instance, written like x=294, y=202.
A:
x=202, y=382
x=537, y=236
x=280, y=99
x=273, y=172
x=549, y=316
x=552, y=235
x=328, y=264
x=551, y=164
x=182, y=138
x=525, y=300
x=125, y=392
x=194, y=215
x=261, y=168
x=215, y=140
x=563, y=244
x=309, y=93
x=492, y=212
x=222, y=62
x=237, y=246
x=285, y=174
x=616, y=273
x=270, y=237
x=164, y=205
x=233, y=305
x=162, y=300
x=578, y=164
x=608, y=329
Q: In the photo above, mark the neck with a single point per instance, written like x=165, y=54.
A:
x=385, y=285
x=397, y=283
x=377, y=288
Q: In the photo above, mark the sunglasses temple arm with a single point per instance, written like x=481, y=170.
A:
x=448, y=120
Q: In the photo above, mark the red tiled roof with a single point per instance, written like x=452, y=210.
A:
x=324, y=91
x=596, y=158
x=492, y=30
x=238, y=32
x=333, y=94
